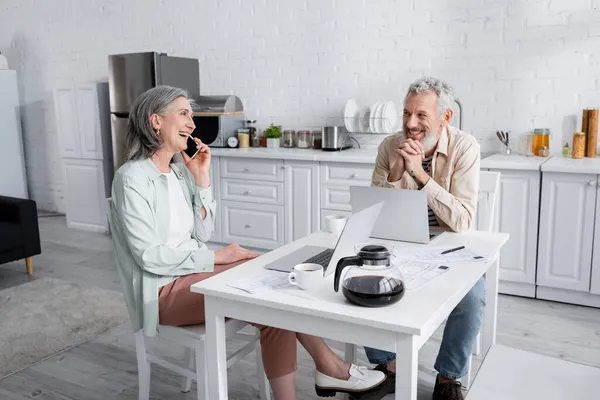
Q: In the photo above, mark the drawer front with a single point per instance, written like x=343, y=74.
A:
x=255, y=192
x=253, y=225
x=250, y=168
x=338, y=197
x=346, y=174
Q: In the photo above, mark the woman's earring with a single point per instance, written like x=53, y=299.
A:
x=158, y=132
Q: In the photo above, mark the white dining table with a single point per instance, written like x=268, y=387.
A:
x=402, y=327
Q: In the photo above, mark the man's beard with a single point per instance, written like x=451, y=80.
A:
x=429, y=141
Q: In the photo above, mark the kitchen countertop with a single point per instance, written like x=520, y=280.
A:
x=365, y=156
x=570, y=165
x=514, y=162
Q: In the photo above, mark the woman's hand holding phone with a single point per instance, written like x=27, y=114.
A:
x=199, y=163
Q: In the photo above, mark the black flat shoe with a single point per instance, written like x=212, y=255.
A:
x=391, y=377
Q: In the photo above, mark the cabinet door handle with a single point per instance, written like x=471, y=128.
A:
x=247, y=193
x=248, y=226
x=354, y=176
x=246, y=169
x=592, y=183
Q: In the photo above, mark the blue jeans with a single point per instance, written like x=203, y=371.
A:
x=460, y=333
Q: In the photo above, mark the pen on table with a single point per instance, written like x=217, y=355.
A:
x=454, y=249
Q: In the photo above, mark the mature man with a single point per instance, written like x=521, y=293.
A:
x=432, y=156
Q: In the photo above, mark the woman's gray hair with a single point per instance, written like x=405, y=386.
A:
x=141, y=140
x=444, y=92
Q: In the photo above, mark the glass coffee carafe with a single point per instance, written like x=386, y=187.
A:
x=370, y=279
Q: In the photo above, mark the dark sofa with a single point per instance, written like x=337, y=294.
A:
x=19, y=231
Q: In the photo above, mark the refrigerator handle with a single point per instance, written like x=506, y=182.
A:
x=157, y=68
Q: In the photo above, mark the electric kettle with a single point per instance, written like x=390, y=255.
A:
x=370, y=279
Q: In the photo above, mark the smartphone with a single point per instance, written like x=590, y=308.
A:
x=191, y=149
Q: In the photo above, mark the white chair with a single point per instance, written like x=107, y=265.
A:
x=489, y=184
x=192, y=338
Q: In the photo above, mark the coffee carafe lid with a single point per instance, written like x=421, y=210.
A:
x=374, y=252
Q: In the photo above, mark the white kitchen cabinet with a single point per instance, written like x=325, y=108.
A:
x=78, y=121
x=595, y=276
x=214, y=182
x=346, y=174
x=252, y=191
x=251, y=168
x=301, y=180
x=88, y=119
x=83, y=128
x=84, y=195
x=335, y=182
x=567, y=213
x=13, y=180
x=517, y=212
x=252, y=225
x=65, y=111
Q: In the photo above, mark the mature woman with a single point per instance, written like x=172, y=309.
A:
x=166, y=211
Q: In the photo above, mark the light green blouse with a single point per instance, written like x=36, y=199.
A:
x=139, y=221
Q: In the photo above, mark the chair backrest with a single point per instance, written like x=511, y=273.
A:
x=489, y=186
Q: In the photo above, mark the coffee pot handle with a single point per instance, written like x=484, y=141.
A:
x=343, y=263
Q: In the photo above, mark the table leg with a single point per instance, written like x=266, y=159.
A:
x=488, y=338
x=407, y=363
x=216, y=360
x=350, y=353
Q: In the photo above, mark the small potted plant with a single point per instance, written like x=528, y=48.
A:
x=273, y=135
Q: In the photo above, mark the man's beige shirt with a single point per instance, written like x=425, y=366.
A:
x=452, y=191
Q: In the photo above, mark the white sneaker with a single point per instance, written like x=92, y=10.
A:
x=361, y=380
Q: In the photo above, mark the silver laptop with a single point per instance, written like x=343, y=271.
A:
x=403, y=217
x=357, y=230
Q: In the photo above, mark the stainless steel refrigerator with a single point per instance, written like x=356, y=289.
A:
x=132, y=74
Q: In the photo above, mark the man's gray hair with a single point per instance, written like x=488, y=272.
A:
x=444, y=92
x=141, y=140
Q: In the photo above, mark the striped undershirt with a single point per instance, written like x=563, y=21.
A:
x=427, y=167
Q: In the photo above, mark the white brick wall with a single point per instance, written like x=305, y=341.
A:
x=515, y=64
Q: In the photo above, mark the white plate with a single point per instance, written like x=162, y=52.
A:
x=373, y=118
x=379, y=118
x=351, y=116
x=365, y=114
x=389, y=115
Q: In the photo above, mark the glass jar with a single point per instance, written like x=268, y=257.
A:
x=253, y=133
x=578, y=148
x=288, y=138
x=303, y=139
x=317, y=141
x=541, y=138
x=243, y=137
x=566, y=150
x=544, y=151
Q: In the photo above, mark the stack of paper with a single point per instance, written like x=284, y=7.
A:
x=266, y=280
x=417, y=274
x=436, y=255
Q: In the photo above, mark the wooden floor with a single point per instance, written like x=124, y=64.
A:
x=104, y=368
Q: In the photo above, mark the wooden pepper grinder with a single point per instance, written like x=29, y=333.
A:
x=592, y=132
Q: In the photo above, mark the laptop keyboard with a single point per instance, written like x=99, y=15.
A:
x=322, y=258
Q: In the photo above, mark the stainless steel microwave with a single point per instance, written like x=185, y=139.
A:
x=217, y=118
x=215, y=129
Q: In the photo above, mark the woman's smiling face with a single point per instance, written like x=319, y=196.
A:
x=175, y=125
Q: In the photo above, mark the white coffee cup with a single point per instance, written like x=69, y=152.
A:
x=335, y=223
x=306, y=276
